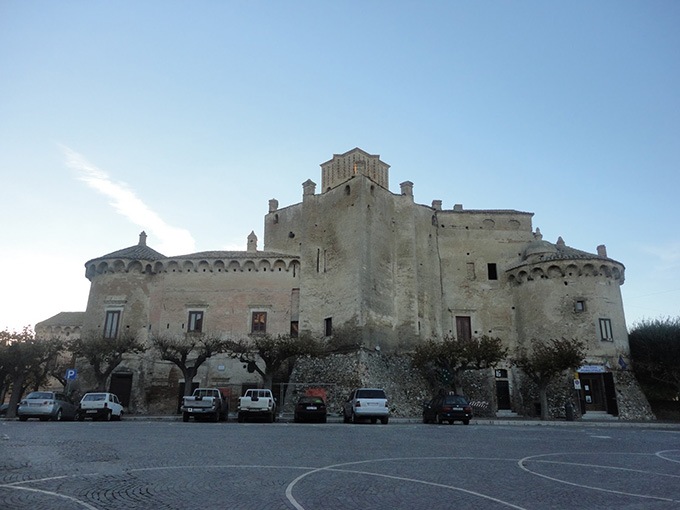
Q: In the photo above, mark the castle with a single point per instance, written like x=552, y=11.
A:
x=355, y=255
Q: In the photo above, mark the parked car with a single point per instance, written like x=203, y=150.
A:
x=47, y=405
x=205, y=403
x=257, y=403
x=3, y=409
x=100, y=405
x=370, y=403
x=310, y=408
x=449, y=408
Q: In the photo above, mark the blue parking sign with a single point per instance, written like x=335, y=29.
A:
x=71, y=374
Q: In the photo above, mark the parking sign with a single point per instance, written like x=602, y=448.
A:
x=71, y=374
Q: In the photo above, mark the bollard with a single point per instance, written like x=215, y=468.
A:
x=569, y=410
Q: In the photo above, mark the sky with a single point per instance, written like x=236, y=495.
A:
x=183, y=118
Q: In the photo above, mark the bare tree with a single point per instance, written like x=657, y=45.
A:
x=188, y=353
x=104, y=354
x=265, y=354
x=547, y=360
x=443, y=362
x=24, y=362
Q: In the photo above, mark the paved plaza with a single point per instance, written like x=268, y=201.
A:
x=168, y=464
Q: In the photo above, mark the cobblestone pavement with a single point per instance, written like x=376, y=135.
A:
x=165, y=464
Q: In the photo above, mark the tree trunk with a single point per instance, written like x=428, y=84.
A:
x=189, y=374
x=17, y=385
x=543, y=392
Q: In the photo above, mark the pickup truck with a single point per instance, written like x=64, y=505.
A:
x=205, y=403
x=257, y=404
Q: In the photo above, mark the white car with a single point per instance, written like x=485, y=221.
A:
x=368, y=403
x=105, y=406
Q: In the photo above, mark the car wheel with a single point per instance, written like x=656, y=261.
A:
x=58, y=416
x=240, y=418
x=439, y=419
x=466, y=422
x=185, y=417
x=345, y=418
x=323, y=420
x=385, y=420
x=120, y=416
x=296, y=419
x=271, y=417
x=354, y=418
x=108, y=416
x=80, y=417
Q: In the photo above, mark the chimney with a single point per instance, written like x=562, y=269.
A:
x=273, y=205
x=308, y=188
x=437, y=205
x=252, y=242
x=602, y=250
x=407, y=188
x=142, y=239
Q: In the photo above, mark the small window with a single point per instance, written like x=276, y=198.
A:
x=111, y=324
x=259, y=323
x=606, y=330
x=493, y=272
x=294, y=329
x=580, y=306
x=195, y=322
x=328, y=326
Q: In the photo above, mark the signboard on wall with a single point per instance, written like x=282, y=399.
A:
x=592, y=369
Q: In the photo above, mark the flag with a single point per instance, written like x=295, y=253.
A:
x=622, y=363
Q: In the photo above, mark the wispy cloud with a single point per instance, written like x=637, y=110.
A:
x=172, y=240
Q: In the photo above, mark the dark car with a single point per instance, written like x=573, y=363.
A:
x=309, y=408
x=447, y=408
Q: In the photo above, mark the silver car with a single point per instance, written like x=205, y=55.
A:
x=47, y=405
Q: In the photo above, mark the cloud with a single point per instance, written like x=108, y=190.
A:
x=172, y=240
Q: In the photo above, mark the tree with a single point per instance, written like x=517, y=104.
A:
x=189, y=353
x=104, y=354
x=546, y=360
x=445, y=361
x=655, y=352
x=265, y=354
x=25, y=361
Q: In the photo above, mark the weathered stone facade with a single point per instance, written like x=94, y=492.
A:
x=358, y=256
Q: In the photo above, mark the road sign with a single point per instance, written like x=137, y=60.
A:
x=71, y=374
x=577, y=384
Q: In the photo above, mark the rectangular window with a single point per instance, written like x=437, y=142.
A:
x=294, y=329
x=111, y=324
x=259, y=324
x=493, y=272
x=328, y=326
x=463, y=328
x=606, y=330
x=580, y=306
x=195, y=322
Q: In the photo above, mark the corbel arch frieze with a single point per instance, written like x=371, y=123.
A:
x=555, y=270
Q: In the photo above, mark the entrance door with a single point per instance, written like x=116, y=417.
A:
x=503, y=394
x=592, y=386
x=121, y=386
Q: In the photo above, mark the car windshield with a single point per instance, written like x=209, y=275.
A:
x=455, y=401
x=92, y=397
x=40, y=395
x=204, y=393
x=370, y=394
